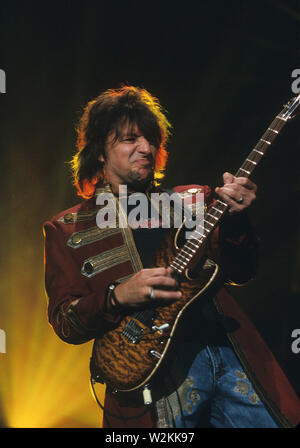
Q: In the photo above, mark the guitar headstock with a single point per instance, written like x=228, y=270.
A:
x=291, y=109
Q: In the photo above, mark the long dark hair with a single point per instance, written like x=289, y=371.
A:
x=108, y=112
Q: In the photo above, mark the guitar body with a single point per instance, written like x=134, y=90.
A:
x=126, y=364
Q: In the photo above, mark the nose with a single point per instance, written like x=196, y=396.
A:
x=144, y=146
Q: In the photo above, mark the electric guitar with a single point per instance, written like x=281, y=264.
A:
x=129, y=356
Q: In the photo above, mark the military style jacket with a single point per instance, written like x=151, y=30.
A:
x=82, y=260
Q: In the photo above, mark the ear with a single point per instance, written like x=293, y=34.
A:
x=101, y=158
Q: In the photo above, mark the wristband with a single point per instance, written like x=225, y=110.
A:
x=112, y=299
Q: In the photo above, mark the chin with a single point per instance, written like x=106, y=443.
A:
x=139, y=181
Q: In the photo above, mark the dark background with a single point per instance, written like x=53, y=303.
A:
x=221, y=69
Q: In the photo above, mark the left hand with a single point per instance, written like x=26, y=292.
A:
x=237, y=192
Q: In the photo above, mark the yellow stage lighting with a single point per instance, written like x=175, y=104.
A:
x=44, y=382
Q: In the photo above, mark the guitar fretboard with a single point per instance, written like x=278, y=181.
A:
x=215, y=212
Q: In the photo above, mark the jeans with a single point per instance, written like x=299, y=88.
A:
x=212, y=391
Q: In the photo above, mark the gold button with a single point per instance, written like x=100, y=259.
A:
x=68, y=218
x=76, y=239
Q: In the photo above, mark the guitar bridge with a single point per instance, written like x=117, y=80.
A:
x=133, y=332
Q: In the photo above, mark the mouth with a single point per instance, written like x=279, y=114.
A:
x=144, y=162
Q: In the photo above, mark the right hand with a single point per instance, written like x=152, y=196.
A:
x=135, y=291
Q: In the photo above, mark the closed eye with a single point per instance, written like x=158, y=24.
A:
x=129, y=139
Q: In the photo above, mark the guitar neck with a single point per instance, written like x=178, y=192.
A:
x=185, y=255
x=261, y=147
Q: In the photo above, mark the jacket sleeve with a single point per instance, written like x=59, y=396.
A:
x=76, y=313
x=234, y=245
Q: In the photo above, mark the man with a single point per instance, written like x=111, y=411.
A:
x=222, y=374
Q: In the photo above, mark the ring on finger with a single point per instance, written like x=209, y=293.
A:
x=151, y=294
x=241, y=200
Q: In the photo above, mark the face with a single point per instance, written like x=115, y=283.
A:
x=128, y=160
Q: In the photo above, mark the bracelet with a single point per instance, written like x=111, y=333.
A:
x=111, y=297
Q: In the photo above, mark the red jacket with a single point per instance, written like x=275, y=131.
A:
x=81, y=260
